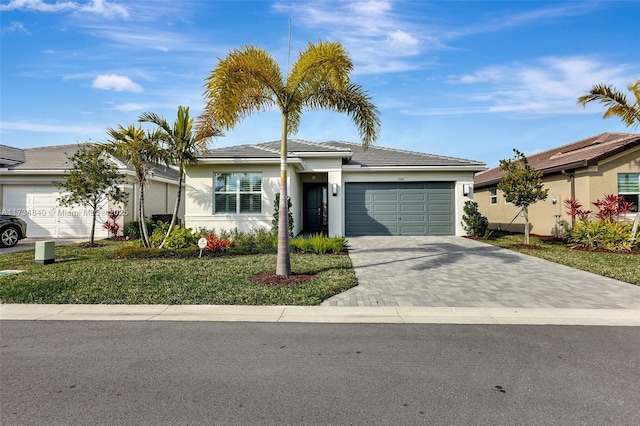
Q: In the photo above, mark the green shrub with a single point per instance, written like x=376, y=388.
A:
x=180, y=237
x=300, y=244
x=132, y=229
x=602, y=234
x=319, y=244
x=473, y=222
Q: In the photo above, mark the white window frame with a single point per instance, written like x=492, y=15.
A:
x=493, y=196
x=236, y=190
x=636, y=193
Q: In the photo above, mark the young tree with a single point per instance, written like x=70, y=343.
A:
x=522, y=185
x=618, y=107
x=182, y=145
x=249, y=80
x=92, y=181
x=141, y=150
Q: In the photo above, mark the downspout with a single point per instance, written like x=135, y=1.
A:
x=572, y=180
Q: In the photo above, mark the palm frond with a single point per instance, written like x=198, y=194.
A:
x=616, y=102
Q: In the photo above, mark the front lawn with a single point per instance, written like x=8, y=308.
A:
x=619, y=266
x=88, y=275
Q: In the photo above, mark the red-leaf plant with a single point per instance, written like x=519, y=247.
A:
x=611, y=207
x=111, y=225
x=574, y=209
x=215, y=244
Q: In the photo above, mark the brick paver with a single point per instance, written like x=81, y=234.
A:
x=459, y=272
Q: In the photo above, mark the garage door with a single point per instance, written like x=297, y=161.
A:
x=407, y=208
x=37, y=205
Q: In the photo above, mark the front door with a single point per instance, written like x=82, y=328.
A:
x=315, y=207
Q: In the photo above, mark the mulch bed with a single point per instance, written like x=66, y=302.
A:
x=270, y=278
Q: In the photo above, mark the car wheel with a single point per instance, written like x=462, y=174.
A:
x=9, y=237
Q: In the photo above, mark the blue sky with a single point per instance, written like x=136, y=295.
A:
x=467, y=79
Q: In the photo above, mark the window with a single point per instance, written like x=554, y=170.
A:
x=493, y=196
x=629, y=188
x=237, y=193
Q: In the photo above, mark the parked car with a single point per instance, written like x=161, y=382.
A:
x=12, y=230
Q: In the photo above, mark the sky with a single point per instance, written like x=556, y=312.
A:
x=464, y=79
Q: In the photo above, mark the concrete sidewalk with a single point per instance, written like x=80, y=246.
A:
x=322, y=314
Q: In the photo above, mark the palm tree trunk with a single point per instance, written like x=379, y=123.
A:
x=283, y=266
x=143, y=223
x=176, y=207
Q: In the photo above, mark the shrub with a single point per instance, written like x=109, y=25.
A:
x=602, y=234
x=215, y=244
x=473, y=222
x=180, y=237
x=319, y=244
x=132, y=229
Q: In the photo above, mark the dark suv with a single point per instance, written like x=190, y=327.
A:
x=12, y=230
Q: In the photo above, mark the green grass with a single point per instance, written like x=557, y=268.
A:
x=88, y=275
x=619, y=266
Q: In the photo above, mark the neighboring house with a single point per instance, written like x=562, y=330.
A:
x=28, y=188
x=586, y=170
x=335, y=187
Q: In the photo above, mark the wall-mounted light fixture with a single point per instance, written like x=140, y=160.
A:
x=554, y=201
x=466, y=189
x=334, y=189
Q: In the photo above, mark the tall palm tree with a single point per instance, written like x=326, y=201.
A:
x=616, y=101
x=618, y=107
x=249, y=80
x=183, y=147
x=141, y=150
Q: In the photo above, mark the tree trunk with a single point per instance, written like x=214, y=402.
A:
x=93, y=224
x=525, y=210
x=635, y=226
x=143, y=225
x=176, y=207
x=283, y=266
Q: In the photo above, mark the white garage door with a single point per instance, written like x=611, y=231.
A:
x=37, y=205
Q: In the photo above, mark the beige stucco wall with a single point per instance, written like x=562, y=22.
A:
x=591, y=184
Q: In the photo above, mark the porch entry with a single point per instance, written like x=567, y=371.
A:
x=314, y=208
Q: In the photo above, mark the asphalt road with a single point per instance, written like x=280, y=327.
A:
x=174, y=373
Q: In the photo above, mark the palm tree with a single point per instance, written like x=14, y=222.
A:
x=249, y=80
x=140, y=150
x=183, y=147
x=618, y=107
x=616, y=101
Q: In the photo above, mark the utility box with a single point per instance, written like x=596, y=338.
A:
x=45, y=252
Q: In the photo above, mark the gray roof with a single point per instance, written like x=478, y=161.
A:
x=10, y=156
x=376, y=156
x=56, y=158
x=357, y=156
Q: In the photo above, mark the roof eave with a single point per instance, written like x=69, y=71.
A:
x=469, y=168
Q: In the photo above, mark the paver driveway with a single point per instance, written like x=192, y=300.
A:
x=459, y=272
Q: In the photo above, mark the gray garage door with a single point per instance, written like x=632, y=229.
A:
x=407, y=208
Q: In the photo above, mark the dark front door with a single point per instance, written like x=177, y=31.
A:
x=315, y=207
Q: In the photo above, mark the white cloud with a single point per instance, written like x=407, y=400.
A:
x=377, y=40
x=97, y=7
x=119, y=83
x=542, y=86
x=15, y=27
